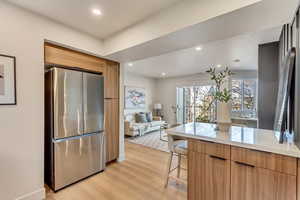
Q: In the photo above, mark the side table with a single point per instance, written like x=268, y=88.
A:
x=162, y=127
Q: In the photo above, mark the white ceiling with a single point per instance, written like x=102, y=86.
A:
x=224, y=52
x=254, y=18
x=117, y=14
x=224, y=38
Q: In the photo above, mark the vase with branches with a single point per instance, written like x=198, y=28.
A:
x=222, y=95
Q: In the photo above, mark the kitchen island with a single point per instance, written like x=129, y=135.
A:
x=242, y=164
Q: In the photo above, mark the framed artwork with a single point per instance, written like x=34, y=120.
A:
x=135, y=97
x=7, y=80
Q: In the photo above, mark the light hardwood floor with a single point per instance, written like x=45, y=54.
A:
x=140, y=177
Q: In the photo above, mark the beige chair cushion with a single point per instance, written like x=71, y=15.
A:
x=180, y=146
x=156, y=123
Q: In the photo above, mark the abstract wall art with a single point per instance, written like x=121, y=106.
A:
x=7, y=80
x=135, y=97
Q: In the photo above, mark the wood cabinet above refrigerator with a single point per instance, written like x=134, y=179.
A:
x=111, y=80
x=56, y=55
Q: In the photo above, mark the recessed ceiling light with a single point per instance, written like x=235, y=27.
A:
x=163, y=74
x=218, y=66
x=198, y=48
x=97, y=12
x=130, y=64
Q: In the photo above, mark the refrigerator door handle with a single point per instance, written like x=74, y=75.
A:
x=76, y=137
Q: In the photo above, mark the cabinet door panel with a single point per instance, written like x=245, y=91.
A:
x=217, y=178
x=242, y=182
x=196, y=176
x=209, y=177
x=111, y=124
x=249, y=183
x=70, y=58
x=112, y=80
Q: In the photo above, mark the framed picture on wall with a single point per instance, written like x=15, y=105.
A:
x=135, y=97
x=7, y=80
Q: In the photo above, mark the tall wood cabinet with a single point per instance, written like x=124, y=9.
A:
x=112, y=110
x=112, y=80
x=60, y=56
x=111, y=122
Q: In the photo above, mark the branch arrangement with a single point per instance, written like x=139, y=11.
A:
x=221, y=95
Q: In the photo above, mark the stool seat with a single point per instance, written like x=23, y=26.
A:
x=180, y=147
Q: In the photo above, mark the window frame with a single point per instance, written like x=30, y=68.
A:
x=193, y=106
x=243, y=107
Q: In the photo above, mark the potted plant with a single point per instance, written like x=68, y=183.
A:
x=222, y=95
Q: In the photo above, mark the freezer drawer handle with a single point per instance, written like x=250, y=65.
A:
x=75, y=137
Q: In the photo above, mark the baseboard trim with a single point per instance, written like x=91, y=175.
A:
x=35, y=195
x=121, y=157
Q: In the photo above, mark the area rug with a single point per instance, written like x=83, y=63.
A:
x=151, y=140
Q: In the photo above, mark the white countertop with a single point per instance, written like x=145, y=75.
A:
x=251, y=138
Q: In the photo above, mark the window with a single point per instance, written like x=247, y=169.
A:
x=196, y=104
x=205, y=107
x=244, y=98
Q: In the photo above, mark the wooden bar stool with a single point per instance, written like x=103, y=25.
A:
x=177, y=147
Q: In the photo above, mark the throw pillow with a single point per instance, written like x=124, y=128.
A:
x=141, y=118
x=149, y=116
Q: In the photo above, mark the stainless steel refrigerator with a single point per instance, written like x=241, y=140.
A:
x=74, y=128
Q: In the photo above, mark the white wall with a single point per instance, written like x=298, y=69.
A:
x=135, y=80
x=22, y=35
x=121, y=108
x=130, y=79
x=166, y=89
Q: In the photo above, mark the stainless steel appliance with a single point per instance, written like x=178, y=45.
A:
x=284, y=117
x=74, y=128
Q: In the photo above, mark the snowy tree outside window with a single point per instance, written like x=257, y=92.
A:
x=196, y=102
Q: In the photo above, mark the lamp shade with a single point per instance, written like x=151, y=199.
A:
x=157, y=106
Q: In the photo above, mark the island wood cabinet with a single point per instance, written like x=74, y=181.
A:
x=68, y=58
x=210, y=177
x=208, y=171
x=223, y=172
x=251, y=182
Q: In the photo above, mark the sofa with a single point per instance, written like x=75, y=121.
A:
x=133, y=128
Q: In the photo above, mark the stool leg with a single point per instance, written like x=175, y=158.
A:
x=169, y=168
x=179, y=166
